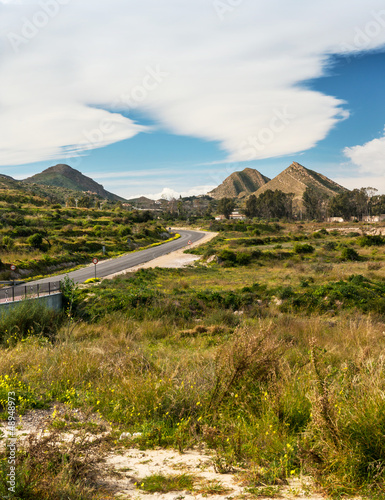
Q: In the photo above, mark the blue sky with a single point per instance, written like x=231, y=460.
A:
x=150, y=98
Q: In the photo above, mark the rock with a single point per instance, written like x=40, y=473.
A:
x=128, y=435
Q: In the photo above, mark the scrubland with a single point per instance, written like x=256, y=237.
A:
x=269, y=352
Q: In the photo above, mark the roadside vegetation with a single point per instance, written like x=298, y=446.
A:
x=269, y=351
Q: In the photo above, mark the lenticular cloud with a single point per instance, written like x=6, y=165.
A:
x=74, y=75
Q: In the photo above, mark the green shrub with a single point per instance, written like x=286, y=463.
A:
x=35, y=240
x=28, y=318
x=350, y=254
x=243, y=258
x=303, y=248
x=228, y=256
x=371, y=240
x=330, y=245
x=8, y=242
x=124, y=231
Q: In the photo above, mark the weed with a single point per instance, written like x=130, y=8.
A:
x=213, y=487
x=48, y=468
x=164, y=484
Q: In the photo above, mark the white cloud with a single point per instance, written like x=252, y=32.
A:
x=369, y=157
x=70, y=69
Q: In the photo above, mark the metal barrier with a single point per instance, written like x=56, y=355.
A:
x=20, y=292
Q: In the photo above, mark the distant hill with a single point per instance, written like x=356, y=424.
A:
x=3, y=176
x=239, y=184
x=296, y=178
x=144, y=203
x=64, y=176
x=7, y=182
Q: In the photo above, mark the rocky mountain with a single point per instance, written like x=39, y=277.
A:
x=296, y=178
x=240, y=184
x=64, y=176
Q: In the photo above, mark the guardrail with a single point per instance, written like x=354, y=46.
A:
x=20, y=292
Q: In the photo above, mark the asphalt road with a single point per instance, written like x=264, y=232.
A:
x=118, y=264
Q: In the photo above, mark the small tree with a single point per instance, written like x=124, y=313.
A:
x=315, y=203
x=35, y=240
x=251, y=206
x=226, y=206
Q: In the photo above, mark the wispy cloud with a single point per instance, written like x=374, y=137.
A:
x=71, y=77
x=132, y=174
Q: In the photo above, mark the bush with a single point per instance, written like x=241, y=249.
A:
x=35, y=241
x=330, y=245
x=124, y=231
x=350, y=254
x=8, y=242
x=243, y=258
x=28, y=318
x=228, y=256
x=303, y=248
x=371, y=240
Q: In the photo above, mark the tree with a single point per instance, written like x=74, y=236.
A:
x=356, y=203
x=315, y=203
x=226, y=206
x=342, y=205
x=275, y=204
x=85, y=201
x=377, y=204
x=251, y=206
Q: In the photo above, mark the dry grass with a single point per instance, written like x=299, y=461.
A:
x=279, y=395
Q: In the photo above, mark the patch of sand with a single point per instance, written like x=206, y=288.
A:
x=129, y=469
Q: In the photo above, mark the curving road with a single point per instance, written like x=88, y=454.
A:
x=118, y=264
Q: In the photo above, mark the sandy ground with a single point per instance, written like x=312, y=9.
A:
x=173, y=259
x=125, y=467
x=134, y=465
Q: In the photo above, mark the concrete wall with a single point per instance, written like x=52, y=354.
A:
x=54, y=302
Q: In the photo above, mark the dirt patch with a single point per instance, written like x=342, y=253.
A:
x=127, y=472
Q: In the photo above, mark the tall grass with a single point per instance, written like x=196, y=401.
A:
x=28, y=318
x=263, y=395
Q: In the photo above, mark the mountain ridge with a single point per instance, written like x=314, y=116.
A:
x=239, y=184
x=62, y=175
x=296, y=179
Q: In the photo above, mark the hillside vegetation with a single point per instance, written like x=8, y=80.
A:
x=64, y=176
x=41, y=238
x=269, y=351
